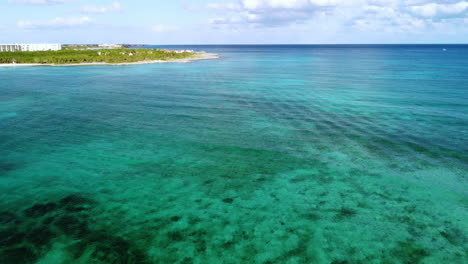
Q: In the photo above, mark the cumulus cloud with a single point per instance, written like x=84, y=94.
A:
x=364, y=15
x=294, y=4
x=37, y=2
x=114, y=7
x=55, y=23
x=270, y=12
x=389, y=22
x=163, y=28
x=259, y=5
x=224, y=6
x=441, y=10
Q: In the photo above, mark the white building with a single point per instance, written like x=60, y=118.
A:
x=29, y=47
x=110, y=46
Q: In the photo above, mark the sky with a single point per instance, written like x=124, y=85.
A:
x=233, y=21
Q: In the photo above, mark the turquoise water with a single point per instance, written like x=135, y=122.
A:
x=271, y=154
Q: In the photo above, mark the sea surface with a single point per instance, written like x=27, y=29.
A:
x=269, y=155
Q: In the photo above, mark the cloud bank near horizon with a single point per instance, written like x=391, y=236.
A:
x=114, y=7
x=37, y=2
x=255, y=21
x=363, y=14
x=55, y=23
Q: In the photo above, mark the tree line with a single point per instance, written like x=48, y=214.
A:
x=89, y=56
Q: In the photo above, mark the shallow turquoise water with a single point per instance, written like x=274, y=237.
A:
x=271, y=154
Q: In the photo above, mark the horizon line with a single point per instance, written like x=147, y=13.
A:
x=269, y=44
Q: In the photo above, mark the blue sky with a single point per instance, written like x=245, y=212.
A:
x=234, y=21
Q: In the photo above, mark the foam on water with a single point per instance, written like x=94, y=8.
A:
x=271, y=154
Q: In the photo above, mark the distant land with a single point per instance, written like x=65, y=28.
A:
x=93, y=54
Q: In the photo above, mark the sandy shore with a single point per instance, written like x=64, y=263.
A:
x=197, y=56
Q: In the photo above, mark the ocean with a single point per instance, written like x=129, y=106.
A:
x=271, y=154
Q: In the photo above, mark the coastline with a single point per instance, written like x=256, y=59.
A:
x=197, y=56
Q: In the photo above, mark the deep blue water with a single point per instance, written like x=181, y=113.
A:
x=270, y=154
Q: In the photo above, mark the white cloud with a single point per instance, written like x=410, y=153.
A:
x=37, y=2
x=114, y=7
x=387, y=21
x=294, y=4
x=224, y=6
x=264, y=4
x=259, y=5
x=382, y=11
x=441, y=10
x=55, y=23
x=269, y=12
x=164, y=28
x=365, y=15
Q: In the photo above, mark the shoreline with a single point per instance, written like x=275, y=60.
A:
x=197, y=56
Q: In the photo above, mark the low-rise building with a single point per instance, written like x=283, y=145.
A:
x=182, y=51
x=110, y=46
x=30, y=47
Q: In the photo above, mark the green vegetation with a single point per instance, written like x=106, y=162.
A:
x=88, y=56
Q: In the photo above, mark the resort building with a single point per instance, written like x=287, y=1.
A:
x=30, y=47
x=110, y=46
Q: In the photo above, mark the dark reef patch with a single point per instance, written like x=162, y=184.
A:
x=26, y=237
x=75, y=203
x=39, y=210
x=72, y=226
x=11, y=237
x=344, y=213
x=340, y=262
x=200, y=246
x=228, y=200
x=6, y=166
x=7, y=218
x=48, y=220
x=312, y=216
x=175, y=236
x=454, y=236
x=40, y=236
x=19, y=255
x=409, y=252
x=301, y=252
x=228, y=244
x=176, y=218
x=114, y=249
x=187, y=260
